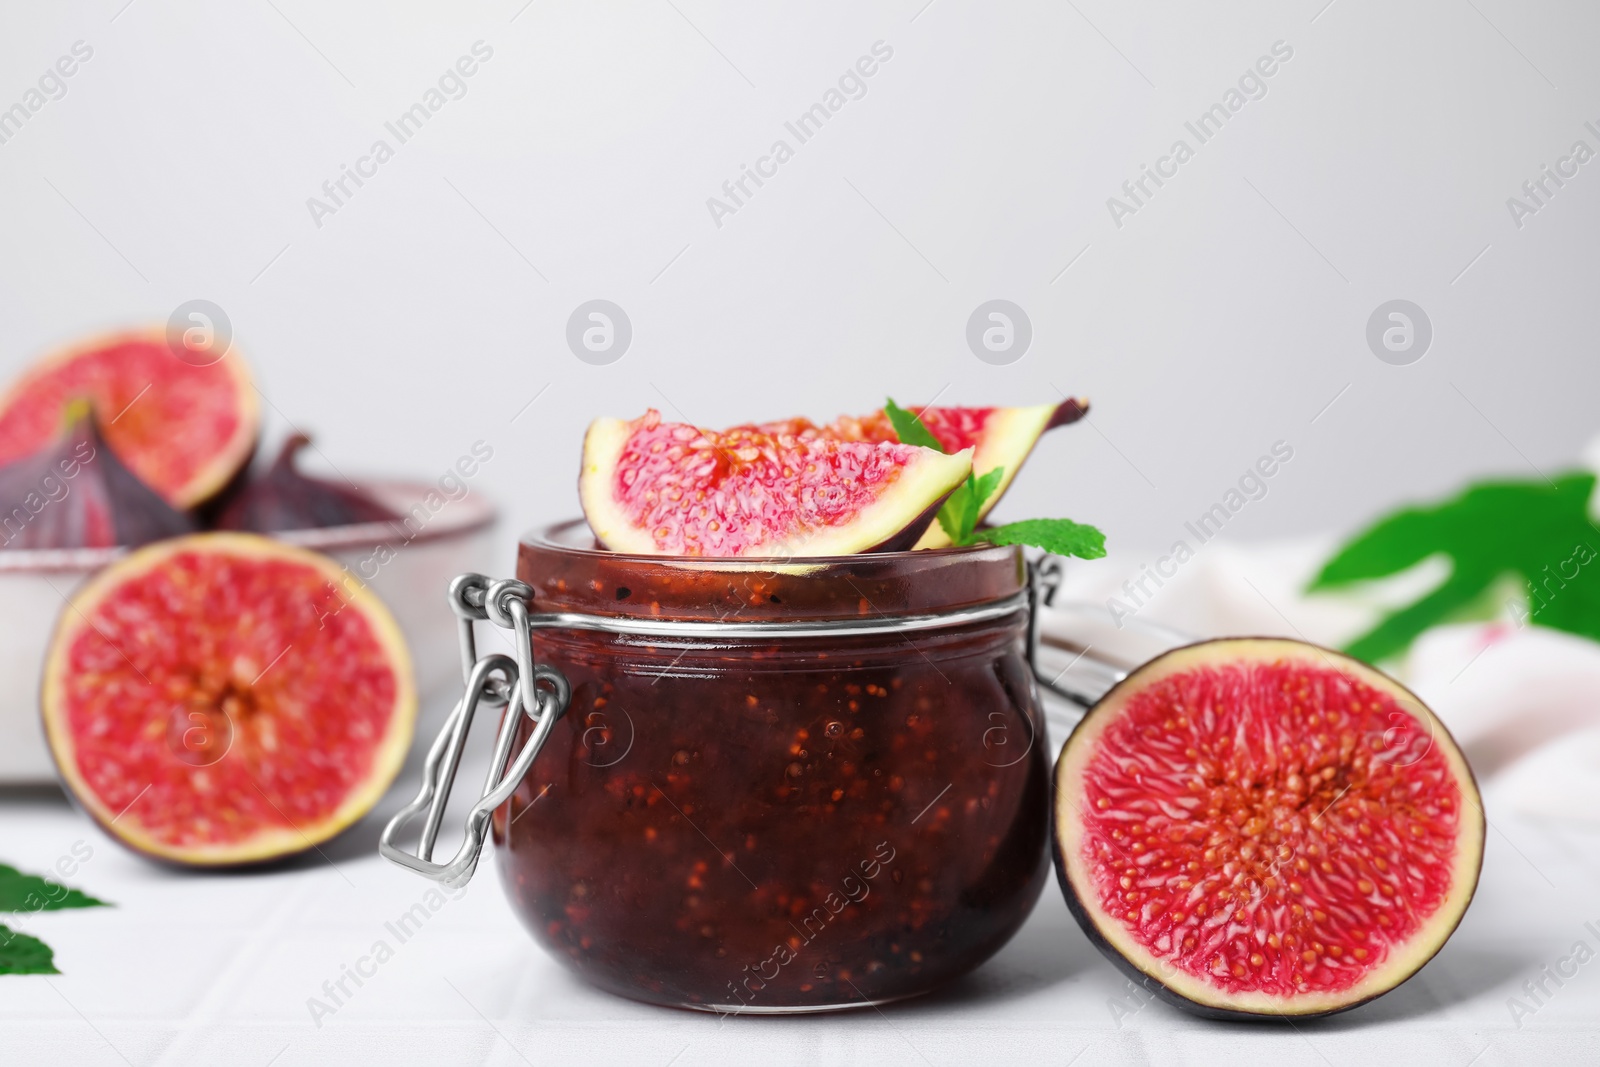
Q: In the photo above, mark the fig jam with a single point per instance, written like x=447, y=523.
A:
x=779, y=824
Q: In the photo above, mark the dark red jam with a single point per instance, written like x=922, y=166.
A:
x=779, y=824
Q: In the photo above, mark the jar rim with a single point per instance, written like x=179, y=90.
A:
x=574, y=535
x=568, y=571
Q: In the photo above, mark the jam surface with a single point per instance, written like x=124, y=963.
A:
x=771, y=825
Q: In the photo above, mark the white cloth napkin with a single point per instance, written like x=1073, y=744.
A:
x=1523, y=701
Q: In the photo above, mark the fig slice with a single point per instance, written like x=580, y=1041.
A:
x=999, y=437
x=224, y=699
x=75, y=493
x=656, y=487
x=1255, y=827
x=184, y=429
x=284, y=499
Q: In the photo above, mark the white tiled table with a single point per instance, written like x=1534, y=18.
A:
x=217, y=969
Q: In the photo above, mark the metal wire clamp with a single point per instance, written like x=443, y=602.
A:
x=497, y=680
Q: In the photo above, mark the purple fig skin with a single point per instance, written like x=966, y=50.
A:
x=911, y=533
x=1067, y=412
x=75, y=493
x=285, y=499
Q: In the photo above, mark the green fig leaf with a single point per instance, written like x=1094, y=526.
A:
x=23, y=954
x=1539, y=532
x=21, y=892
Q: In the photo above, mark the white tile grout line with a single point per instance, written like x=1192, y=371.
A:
x=239, y=966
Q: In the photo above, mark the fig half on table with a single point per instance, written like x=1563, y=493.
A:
x=1255, y=827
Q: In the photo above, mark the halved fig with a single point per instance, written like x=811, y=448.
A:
x=224, y=699
x=649, y=486
x=75, y=493
x=999, y=437
x=1255, y=827
x=284, y=499
x=184, y=429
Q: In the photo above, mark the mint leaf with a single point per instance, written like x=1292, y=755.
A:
x=978, y=490
x=22, y=954
x=1536, y=530
x=28, y=892
x=950, y=512
x=908, y=427
x=963, y=510
x=958, y=516
x=959, y=513
x=988, y=483
x=953, y=512
x=1060, y=536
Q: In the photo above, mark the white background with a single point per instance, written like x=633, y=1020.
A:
x=431, y=309
x=1224, y=316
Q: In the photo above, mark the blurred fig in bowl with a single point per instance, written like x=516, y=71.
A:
x=75, y=493
x=184, y=427
x=283, y=498
x=125, y=439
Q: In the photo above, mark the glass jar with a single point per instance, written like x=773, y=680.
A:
x=835, y=794
x=779, y=825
